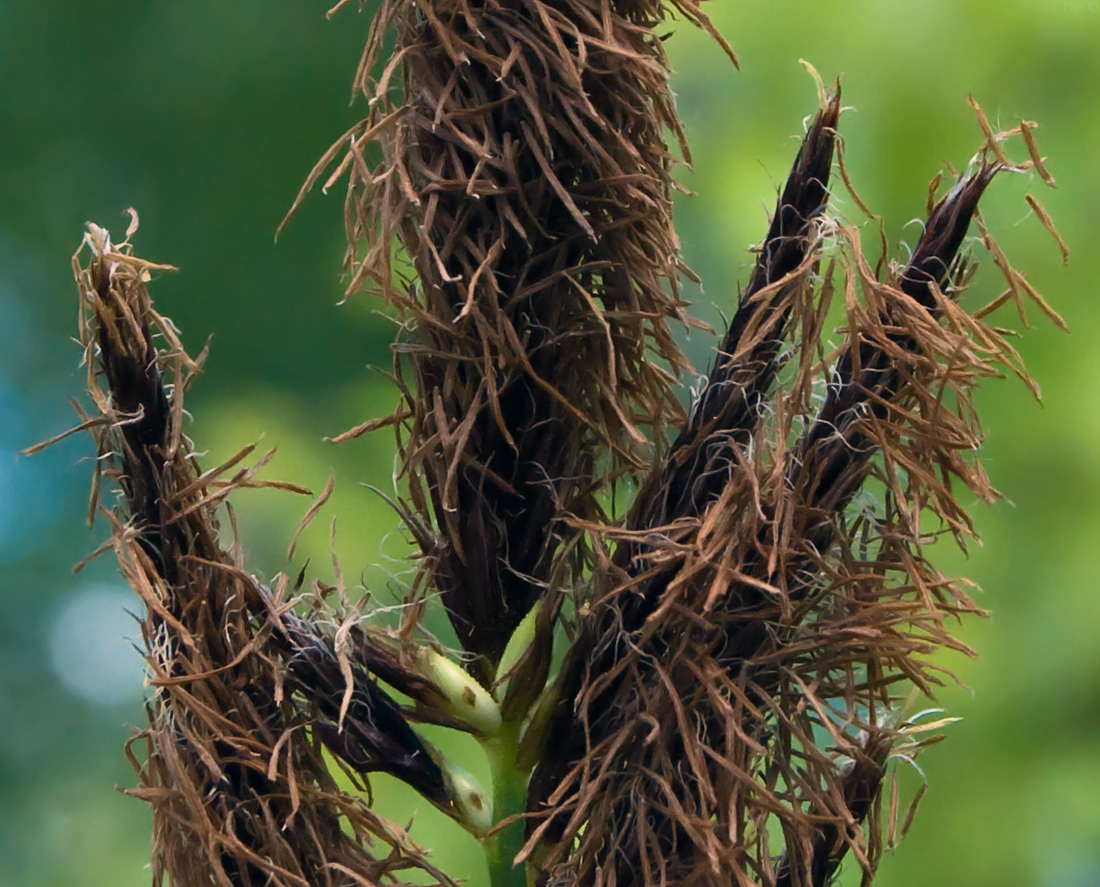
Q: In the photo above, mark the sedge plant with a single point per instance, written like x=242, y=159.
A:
x=687, y=638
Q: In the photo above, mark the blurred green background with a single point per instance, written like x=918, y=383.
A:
x=206, y=116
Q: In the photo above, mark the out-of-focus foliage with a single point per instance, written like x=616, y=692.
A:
x=206, y=116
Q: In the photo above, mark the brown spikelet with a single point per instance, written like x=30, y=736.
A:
x=525, y=175
x=246, y=695
x=704, y=457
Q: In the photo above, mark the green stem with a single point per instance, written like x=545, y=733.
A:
x=509, y=799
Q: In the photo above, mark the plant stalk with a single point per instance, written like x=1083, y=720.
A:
x=509, y=799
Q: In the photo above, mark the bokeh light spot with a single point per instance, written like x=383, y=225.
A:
x=91, y=648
